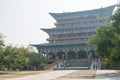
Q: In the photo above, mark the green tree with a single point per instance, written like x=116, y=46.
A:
x=13, y=58
x=36, y=59
x=115, y=57
x=107, y=39
x=1, y=40
x=2, y=66
x=116, y=20
x=102, y=40
x=18, y=57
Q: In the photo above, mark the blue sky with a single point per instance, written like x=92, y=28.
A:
x=21, y=20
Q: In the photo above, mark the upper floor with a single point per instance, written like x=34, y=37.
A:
x=83, y=14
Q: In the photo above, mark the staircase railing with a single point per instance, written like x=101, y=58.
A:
x=53, y=64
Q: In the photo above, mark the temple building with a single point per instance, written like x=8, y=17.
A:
x=68, y=40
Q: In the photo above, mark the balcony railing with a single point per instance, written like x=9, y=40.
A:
x=67, y=38
x=80, y=21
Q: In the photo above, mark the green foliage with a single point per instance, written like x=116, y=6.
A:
x=15, y=58
x=102, y=40
x=116, y=19
x=43, y=64
x=36, y=59
x=2, y=66
x=1, y=40
x=107, y=39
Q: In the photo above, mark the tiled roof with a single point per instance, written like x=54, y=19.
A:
x=81, y=14
x=61, y=43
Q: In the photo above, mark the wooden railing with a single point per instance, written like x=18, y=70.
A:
x=66, y=38
x=81, y=20
x=53, y=64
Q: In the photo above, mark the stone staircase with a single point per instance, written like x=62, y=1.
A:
x=75, y=64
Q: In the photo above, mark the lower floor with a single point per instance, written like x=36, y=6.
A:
x=52, y=56
x=76, y=51
x=66, y=55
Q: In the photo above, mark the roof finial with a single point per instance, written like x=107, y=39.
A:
x=101, y=4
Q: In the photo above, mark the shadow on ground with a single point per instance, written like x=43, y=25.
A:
x=108, y=75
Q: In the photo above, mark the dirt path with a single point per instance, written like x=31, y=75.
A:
x=8, y=75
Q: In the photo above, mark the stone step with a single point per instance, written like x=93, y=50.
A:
x=72, y=68
x=75, y=64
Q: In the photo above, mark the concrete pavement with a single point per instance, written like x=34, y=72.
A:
x=107, y=75
x=54, y=75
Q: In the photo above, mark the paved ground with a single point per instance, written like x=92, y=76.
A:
x=51, y=75
x=78, y=75
x=107, y=75
x=92, y=74
x=74, y=75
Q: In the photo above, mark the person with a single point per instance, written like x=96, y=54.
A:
x=57, y=65
x=94, y=66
